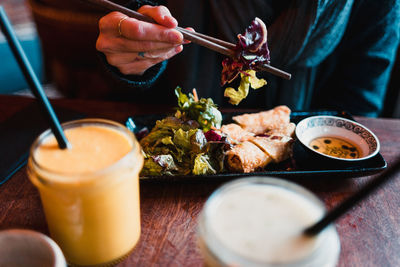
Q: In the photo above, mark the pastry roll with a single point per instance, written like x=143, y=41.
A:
x=261, y=122
x=278, y=147
x=246, y=157
x=235, y=133
x=287, y=130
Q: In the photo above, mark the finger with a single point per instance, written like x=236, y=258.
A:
x=123, y=45
x=125, y=58
x=138, y=67
x=160, y=14
x=109, y=24
x=164, y=53
x=134, y=29
x=116, y=24
x=121, y=58
x=118, y=59
x=189, y=29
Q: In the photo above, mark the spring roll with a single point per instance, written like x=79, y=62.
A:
x=261, y=122
x=235, y=133
x=278, y=147
x=246, y=157
x=287, y=130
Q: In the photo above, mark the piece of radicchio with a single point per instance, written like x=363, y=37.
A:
x=142, y=133
x=250, y=52
x=212, y=135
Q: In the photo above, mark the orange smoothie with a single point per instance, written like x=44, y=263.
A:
x=90, y=192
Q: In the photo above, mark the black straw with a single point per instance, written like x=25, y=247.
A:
x=346, y=205
x=32, y=80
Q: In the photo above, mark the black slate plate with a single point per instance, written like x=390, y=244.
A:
x=301, y=165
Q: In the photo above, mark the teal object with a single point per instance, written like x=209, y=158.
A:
x=11, y=77
x=32, y=80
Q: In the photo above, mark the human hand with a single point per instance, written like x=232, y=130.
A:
x=133, y=46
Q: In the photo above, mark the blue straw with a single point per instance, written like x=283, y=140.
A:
x=32, y=80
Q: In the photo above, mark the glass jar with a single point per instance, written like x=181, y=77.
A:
x=94, y=215
x=259, y=221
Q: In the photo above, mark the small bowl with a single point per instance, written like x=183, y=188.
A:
x=20, y=247
x=337, y=137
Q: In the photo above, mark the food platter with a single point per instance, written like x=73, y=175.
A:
x=302, y=164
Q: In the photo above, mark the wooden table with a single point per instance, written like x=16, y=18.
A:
x=369, y=234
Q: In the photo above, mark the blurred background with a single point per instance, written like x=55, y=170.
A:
x=59, y=37
x=11, y=79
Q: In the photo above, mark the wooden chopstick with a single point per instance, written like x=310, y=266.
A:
x=212, y=39
x=220, y=46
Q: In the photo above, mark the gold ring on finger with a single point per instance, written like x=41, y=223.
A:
x=119, y=25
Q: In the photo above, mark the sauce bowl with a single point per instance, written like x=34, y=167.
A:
x=337, y=138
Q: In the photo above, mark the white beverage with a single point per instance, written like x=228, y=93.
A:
x=260, y=222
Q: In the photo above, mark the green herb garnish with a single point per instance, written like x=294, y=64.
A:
x=204, y=111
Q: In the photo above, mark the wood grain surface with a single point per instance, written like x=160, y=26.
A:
x=369, y=234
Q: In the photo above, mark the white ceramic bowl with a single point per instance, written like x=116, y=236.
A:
x=19, y=247
x=349, y=131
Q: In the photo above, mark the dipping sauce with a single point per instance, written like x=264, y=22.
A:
x=335, y=147
x=251, y=223
x=90, y=192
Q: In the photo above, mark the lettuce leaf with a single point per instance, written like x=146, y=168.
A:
x=171, y=147
x=202, y=165
x=204, y=111
x=177, y=145
x=248, y=78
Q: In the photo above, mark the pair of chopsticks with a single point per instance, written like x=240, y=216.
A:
x=209, y=42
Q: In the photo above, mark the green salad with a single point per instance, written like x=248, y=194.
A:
x=185, y=143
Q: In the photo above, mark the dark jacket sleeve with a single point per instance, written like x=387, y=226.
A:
x=364, y=59
x=144, y=81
